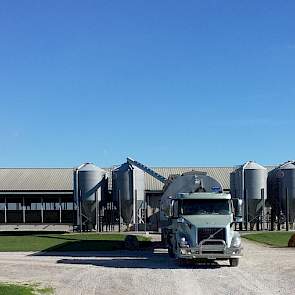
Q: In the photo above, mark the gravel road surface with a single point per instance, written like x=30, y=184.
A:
x=262, y=270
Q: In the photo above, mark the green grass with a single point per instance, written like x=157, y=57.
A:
x=66, y=242
x=276, y=239
x=24, y=289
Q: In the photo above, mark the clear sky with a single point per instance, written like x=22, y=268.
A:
x=170, y=83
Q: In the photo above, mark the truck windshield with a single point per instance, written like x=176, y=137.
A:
x=198, y=207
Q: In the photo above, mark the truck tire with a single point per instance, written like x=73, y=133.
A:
x=170, y=251
x=164, y=239
x=234, y=262
x=181, y=261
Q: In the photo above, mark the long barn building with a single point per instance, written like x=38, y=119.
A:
x=43, y=198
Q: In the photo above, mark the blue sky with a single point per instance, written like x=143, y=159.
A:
x=170, y=83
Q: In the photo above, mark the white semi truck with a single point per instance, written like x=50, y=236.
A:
x=202, y=226
x=198, y=219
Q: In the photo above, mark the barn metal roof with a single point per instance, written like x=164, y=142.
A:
x=221, y=174
x=36, y=179
x=61, y=179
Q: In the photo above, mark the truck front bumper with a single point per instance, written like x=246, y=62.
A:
x=209, y=253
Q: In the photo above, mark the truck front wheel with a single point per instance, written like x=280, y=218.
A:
x=170, y=251
x=234, y=262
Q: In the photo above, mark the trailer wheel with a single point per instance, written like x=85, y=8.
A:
x=234, y=262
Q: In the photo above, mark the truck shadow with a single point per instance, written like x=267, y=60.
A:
x=113, y=254
x=141, y=260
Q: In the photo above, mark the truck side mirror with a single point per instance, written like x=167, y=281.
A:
x=171, y=209
x=238, y=206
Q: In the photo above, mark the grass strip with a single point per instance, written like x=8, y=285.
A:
x=66, y=242
x=275, y=239
x=23, y=289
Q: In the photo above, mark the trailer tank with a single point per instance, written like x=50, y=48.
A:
x=190, y=182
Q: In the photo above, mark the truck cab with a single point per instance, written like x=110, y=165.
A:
x=201, y=225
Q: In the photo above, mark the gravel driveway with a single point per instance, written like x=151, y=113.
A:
x=262, y=270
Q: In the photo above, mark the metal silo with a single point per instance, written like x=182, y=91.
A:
x=90, y=188
x=255, y=187
x=128, y=193
x=249, y=182
x=122, y=191
x=281, y=184
x=288, y=192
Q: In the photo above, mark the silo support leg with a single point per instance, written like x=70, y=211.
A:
x=287, y=211
x=272, y=220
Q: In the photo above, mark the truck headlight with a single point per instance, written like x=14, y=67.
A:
x=183, y=243
x=236, y=241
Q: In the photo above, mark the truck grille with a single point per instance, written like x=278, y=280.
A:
x=205, y=232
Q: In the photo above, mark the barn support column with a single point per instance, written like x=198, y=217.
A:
x=5, y=210
x=24, y=210
x=42, y=213
x=59, y=201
